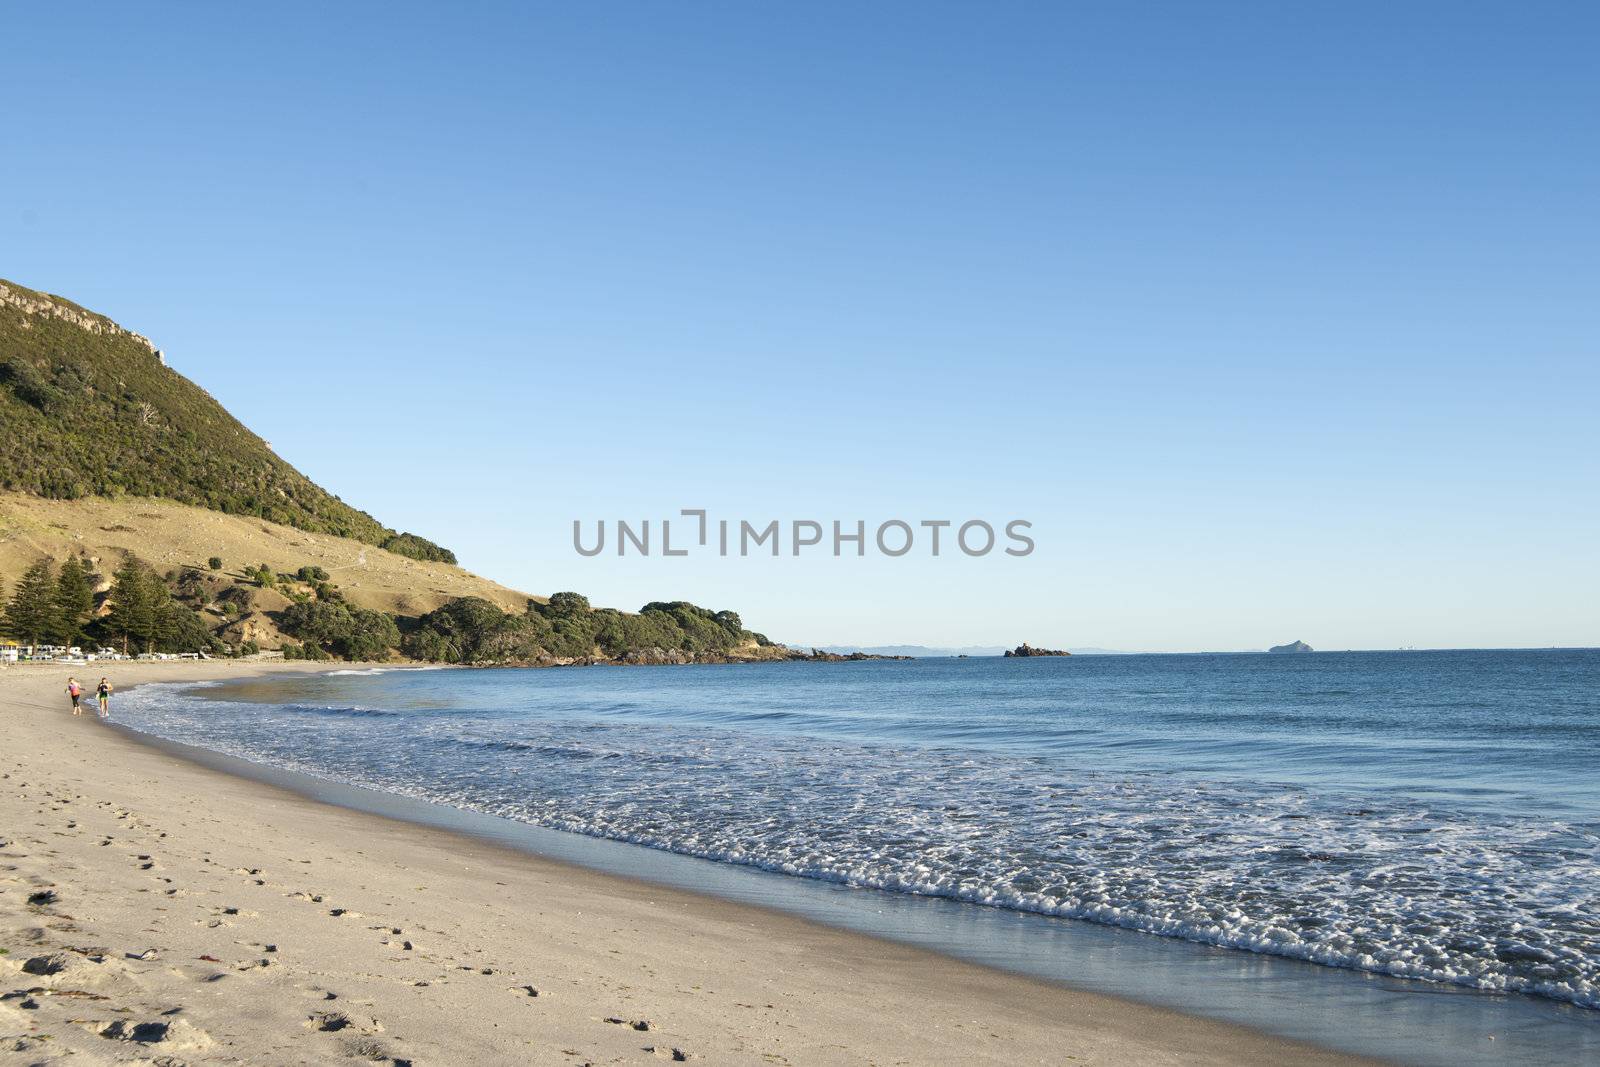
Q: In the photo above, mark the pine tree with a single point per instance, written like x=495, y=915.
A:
x=74, y=600
x=137, y=601
x=31, y=615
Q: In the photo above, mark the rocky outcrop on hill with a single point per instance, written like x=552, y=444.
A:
x=32, y=303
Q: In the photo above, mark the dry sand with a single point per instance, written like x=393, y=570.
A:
x=154, y=911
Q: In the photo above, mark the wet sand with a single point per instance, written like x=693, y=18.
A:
x=153, y=910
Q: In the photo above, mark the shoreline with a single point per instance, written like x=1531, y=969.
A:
x=259, y=902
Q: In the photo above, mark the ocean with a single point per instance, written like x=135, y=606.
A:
x=1421, y=815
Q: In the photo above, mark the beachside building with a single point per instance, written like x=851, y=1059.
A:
x=10, y=652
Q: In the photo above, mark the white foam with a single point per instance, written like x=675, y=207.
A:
x=1392, y=886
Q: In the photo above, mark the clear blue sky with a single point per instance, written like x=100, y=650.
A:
x=1277, y=320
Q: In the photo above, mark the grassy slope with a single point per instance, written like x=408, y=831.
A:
x=172, y=536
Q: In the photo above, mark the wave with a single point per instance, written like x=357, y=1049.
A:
x=314, y=709
x=1391, y=885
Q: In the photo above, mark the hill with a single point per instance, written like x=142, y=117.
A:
x=135, y=511
x=88, y=408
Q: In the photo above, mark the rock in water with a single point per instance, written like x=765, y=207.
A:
x=1295, y=646
x=1026, y=649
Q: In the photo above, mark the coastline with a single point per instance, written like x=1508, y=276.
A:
x=428, y=940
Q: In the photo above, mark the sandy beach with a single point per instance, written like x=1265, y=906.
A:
x=154, y=911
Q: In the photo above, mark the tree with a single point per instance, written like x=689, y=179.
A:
x=74, y=600
x=472, y=630
x=349, y=632
x=215, y=563
x=372, y=634
x=181, y=630
x=567, y=604
x=32, y=614
x=138, y=605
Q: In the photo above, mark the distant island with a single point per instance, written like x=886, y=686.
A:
x=1296, y=646
x=1025, y=649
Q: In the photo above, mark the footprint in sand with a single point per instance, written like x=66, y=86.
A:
x=170, y=1034
x=335, y=1021
x=638, y=1024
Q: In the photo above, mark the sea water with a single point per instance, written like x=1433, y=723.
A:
x=1428, y=815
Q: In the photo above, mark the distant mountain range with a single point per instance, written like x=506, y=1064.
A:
x=930, y=652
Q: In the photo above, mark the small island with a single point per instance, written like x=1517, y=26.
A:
x=1026, y=649
x=1295, y=646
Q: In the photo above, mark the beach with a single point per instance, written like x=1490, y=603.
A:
x=151, y=907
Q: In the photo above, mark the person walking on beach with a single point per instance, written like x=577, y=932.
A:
x=75, y=691
x=103, y=691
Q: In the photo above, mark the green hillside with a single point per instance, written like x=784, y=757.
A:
x=88, y=409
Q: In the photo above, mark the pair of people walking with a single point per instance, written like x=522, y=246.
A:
x=102, y=694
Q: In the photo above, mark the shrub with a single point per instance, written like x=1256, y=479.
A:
x=409, y=544
x=242, y=596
